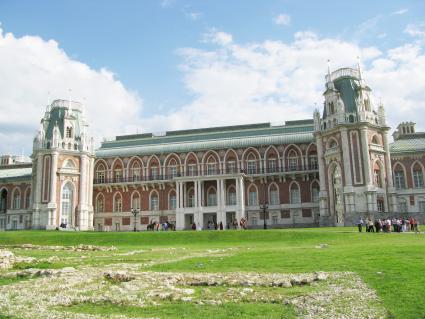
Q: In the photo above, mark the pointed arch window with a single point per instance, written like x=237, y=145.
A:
x=295, y=194
x=211, y=166
x=100, y=174
x=315, y=190
x=100, y=204
x=272, y=164
x=231, y=196
x=135, y=171
x=292, y=160
x=251, y=164
x=377, y=175
x=67, y=204
x=418, y=177
x=16, y=199
x=135, y=201
x=118, y=203
x=399, y=178
x=154, y=201
x=212, y=197
x=252, y=196
x=28, y=199
x=68, y=133
x=274, y=195
x=172, y=200
x=172, y=168
x=191, y=198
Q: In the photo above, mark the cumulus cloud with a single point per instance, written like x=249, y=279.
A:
x=400, y=12
x=415, y=30
x=217, y=37
x=278, y=81
x=31, y=67
x=283, y=19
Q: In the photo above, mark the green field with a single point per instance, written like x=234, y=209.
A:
x=391, y=264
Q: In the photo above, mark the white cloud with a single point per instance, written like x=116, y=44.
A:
x=400, y=12
x=167, y=3
x=415, y=30
x=277, y=81
x=193, y=15
x=31, y=67
x=283, y=19
x=217, y=37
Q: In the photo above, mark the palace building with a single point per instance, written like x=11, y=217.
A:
x=329, y=170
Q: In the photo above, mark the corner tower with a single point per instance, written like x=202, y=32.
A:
x=354, y=160
x=63, y=157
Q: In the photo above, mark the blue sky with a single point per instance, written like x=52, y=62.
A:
x=160, y=51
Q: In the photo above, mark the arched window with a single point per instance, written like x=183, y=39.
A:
x=332, y=144
x=118, y=172
x=100, y=174
x=100, y=204
x=192, y=163
x=231, y=196
x=315, y=192
x=16, y=199
x=135, y=200
x=68, y=132
x=295, y=193
x=292, y=160
x=272, y=164
x=154, y=201
x=172, y=168
x=191, y=197
x=231, y=162
x=377, y=180
x=3, y=201
x=251, y=164
x=172, y=200
x=211, y=165
x=117, y=203
x=399, y=178
x=211, y=197
x=135, y=171
x=375, y=140
x=67, y=204
x=252, y=196
x=154, y=169
x=274, y=195
x=418, y=177
x=28, y=198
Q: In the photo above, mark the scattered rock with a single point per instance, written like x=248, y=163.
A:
x=117, y=277
x=321, y=246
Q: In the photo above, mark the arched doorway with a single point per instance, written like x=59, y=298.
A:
x=67, y=205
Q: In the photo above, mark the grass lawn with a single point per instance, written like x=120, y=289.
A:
x=391, y=264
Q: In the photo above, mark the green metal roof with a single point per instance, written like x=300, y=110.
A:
x=16, y=173
x=212, y=138
x=408, y=145
x=347, y=87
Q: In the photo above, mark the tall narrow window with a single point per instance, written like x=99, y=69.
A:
x=274, y=195
x=69, y=132
x=154, y=202
x=173, y=200
x=315, y=193
x=100, y=204
x=135, y=171
x=292, y=161
x=135, y=201
x=399, y=180
x=252, y=197
x=100, y=174
x=191, y=198
x=272, y=165
x=231, y=196
x=231, y=167
x=118, y=203
x=295, y=194
x=212, y=197
x=16, y=199
x=418, y=177
x=67, y=204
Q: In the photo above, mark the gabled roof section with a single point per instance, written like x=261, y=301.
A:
x=209, y=138
x=15, y=172
x=414, y=143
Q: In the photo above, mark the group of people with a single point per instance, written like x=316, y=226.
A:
x=212, y=225
x=154, y=226
x=388, y=225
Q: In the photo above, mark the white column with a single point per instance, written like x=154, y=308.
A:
x=323, y=195
x=52, y=203
x=37, y=192
x=184, y=194
x=195, y=187
x=83, y=218
x=218, y=194
x=346, y=157
x=365, y=152
x=177, y=197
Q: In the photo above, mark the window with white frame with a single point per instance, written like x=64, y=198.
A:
x=100, y=174
x=154, y=203
x=16, y=200
x=418, y=178
x=295, y=193
x=252, y=197
x=292, y=161
x=135, y=201
x=154, y=172
x=212, y=198
x=399, y=180
x=272, y=167
x=28, y=199
x=173, y=201
x=231, y=167
x=275, y=220
x=402, y=205
x=191, y=198
x=315, y=193
x=252, y=166
x=99, y=204
x=254, y=221
x=66, y=204
x=118, y=175
x=173, y=171
x=191, y=170
x=211, y=168
x=231, y=197
x=380, y=204
x=135, y=171
x=422, y=206
x=274, y=196
x=117, y=203
x=314, y=162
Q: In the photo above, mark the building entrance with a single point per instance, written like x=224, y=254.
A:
x=210, y=220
